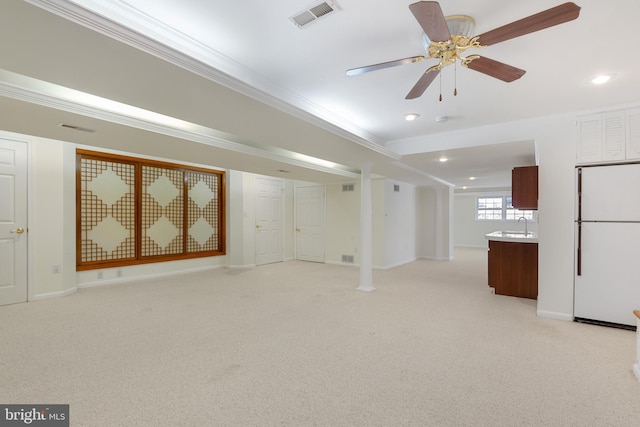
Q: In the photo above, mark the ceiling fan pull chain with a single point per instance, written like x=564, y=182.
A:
x=455, y=79
x=440, y=87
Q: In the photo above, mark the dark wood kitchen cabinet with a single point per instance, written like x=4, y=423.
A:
x=513, y=268
x=524, y=187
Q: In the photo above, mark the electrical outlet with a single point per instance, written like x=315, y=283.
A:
x=56, y=269
x=99, y=275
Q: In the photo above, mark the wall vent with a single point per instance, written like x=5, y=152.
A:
x=396, y=187
x=347, y=187
x=312, y=13
x=74, y=127
x=348, y=259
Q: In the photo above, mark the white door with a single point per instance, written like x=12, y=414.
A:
x=269, y=218
x=310, y=220
x=13, y=222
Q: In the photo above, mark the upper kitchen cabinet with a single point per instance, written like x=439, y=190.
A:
x=609, y=137
x=524, y=187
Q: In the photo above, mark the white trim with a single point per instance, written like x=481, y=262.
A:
x=141, y=277
x=433, y=258
x=116, y=19
x=241, y=267
x=395, y=265
x=554, y=315
x=58, y=294
x=636, y=371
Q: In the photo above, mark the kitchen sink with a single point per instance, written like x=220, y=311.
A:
x=513, y=235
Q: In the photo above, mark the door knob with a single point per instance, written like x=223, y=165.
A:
x=298, y=230
x=18, y=230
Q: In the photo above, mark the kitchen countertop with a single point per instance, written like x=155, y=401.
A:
x=513, y=236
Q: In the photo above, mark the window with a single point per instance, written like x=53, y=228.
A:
x=499, y=208
x=133, y=211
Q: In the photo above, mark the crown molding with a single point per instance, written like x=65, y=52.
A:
x=118, y=20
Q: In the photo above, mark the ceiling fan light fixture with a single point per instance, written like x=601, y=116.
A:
x=411, y=116
x=459, y=25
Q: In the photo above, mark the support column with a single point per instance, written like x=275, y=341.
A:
x=366, y=232
x=636, y=366
x=444, y=223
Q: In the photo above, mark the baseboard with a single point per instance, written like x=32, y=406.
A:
x=433, y=258
x=50, y=295
x=398, y=264
x=346, y=264
x=129, y=279
x=239, y=267
x=555, y=315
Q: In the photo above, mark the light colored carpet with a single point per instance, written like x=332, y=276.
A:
x=293, y=344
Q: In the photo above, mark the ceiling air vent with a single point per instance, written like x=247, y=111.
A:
x=74, y=127
x=312, y=13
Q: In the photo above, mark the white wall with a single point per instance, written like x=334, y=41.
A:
x=435, y=210
x=470, y=232
x=557, y=154
x=342, y=223
x=400, y=224
x=46, y=219
x=397, y=220
x=289, y=220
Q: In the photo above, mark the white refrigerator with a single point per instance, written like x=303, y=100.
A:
x=607, y=281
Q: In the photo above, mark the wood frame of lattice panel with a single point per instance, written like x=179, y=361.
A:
x=139, y=258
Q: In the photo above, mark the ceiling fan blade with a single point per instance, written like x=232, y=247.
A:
x=496, y=69
x=374, y=67
x=422, y=84
x=430, y=17
x=556, y=15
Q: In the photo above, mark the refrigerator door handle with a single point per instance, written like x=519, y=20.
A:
x=579, y=250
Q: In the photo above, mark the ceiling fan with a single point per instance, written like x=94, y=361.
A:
x=446, y=41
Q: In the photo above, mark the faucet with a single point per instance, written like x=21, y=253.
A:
x=526, y=232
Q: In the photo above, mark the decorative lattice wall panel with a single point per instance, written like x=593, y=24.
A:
x=107, y=210
x=162, y=211
x=133, y=211
x=202, y=212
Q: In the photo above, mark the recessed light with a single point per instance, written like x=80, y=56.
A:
x=411, y=116
x=442, y=159
x=602, y=79
x=471, y=178
x=464, y=187
x=442, y=119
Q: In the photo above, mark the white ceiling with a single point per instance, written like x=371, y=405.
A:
x=252, y=47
